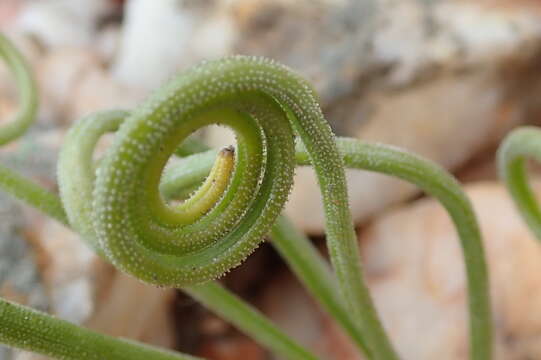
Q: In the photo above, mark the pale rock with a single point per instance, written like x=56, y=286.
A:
x=8, y=110
x=218, y=136
x=414, y=269
x=108, y=42
x=60, y=23
x=153, y=42
x=98, y=91
x=73, y=82
x=215, y=35
x=67, y=264
x=9, y=10
x=294, y=311
x=25, y=355
x=431, y=263
x=58, y=74
x=124, y=306
x=159, y=38
x=426, y=258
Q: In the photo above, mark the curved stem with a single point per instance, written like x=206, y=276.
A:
x=438, y=183
x=27, y=92
x=519, y=145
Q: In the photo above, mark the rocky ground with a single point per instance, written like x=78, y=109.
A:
x=445, y=79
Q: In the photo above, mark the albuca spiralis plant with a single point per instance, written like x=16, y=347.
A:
x=121, y=205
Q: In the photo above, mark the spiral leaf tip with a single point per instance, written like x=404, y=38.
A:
x=226, y=218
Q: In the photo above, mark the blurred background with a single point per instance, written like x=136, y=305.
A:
x=446, y=79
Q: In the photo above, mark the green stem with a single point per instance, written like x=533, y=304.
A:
x=519, y=145
x=31, y=330
x=32, y=194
